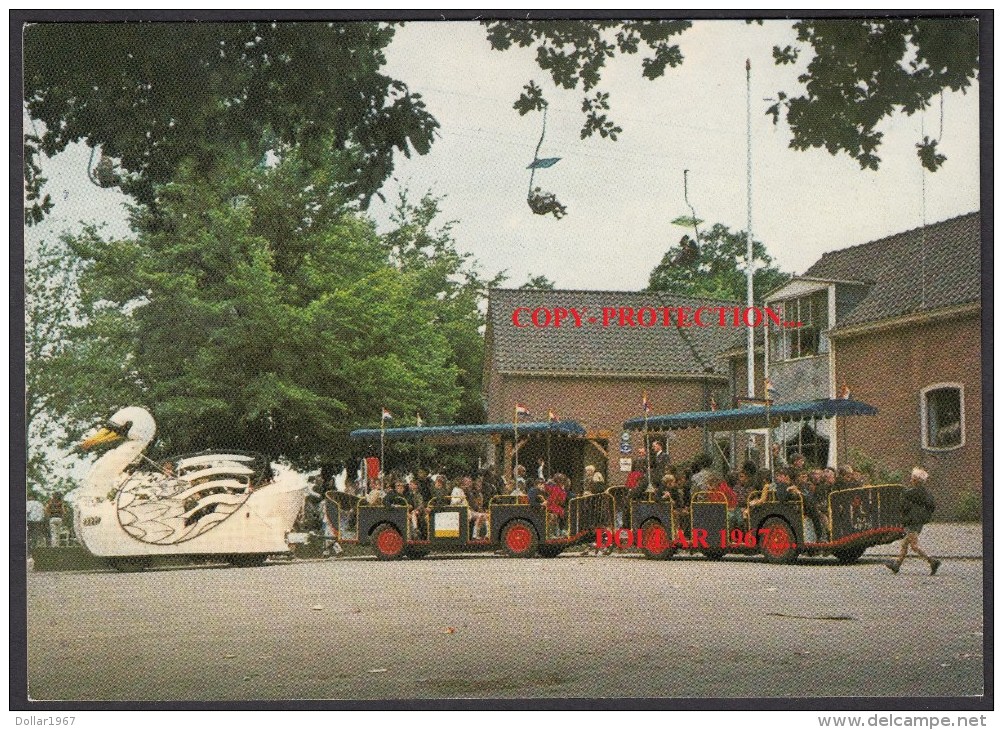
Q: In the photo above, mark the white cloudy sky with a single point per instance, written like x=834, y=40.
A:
x=622, y=196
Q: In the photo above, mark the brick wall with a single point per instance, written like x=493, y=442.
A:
x=888, y=369
x=602, y=404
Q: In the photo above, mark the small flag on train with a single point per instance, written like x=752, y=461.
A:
x=417, y=420
x=552, y=416
x=386, y=415
x=713, y=404
x=645, y=405
x=770, y=390
x=844, y=392
x=521, y=410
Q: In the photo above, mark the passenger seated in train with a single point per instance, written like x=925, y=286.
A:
x=416, y=508
x=557, y=495
x=476, y=520
x=376, y=495
x=396, y=497
x=703, y=473
x=537, y=493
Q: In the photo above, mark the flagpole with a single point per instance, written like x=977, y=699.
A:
x=749, y=253
x=515, y=446
x=647, y=440
x=383, y=426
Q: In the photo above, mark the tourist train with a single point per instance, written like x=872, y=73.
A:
x=234, y=507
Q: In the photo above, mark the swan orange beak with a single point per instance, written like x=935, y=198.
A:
x=104, y=436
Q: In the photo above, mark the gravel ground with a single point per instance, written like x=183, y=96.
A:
x=484, y=626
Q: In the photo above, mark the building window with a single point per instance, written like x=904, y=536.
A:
x=942, y=410
x=808, y=340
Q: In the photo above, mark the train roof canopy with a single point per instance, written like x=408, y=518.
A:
x=471, y=433
x=754, y=416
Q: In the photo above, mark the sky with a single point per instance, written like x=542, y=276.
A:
x=622, y=196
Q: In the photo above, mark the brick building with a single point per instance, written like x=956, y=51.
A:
x=596, y=375
x=897, y=320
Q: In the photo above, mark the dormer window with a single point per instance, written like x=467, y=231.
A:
x=808, y=340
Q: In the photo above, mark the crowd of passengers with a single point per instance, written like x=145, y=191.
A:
x=653, y=478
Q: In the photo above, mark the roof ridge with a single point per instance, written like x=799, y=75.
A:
x=887, y=238
x=618, y=291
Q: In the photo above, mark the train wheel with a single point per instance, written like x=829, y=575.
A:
x=656, y=544
x=849, y=555
x=129, y=565
x=519, y=539
x=550, y=551
x=778, y=545
x=387, y=542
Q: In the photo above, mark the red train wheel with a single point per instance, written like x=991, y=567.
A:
x=656, y=543
x=388, y=543
x=519, y=539
x=778, y=544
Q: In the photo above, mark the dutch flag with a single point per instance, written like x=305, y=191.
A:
x=521, y=410
x=552, y=416
x=645, y=404
x=386, y=415
x=770, y=390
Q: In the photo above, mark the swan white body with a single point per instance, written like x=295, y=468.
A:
x=211, y=508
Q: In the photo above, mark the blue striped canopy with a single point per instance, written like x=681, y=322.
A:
x=474, y=432
x=754, y=416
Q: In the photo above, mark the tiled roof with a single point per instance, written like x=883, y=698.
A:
x=921, y=269
x=594, y=349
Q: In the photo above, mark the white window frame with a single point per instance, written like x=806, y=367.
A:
x=824, y=345
x=923, y=416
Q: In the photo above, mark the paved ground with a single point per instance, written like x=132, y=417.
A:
x=482, y=626
x=943, y=539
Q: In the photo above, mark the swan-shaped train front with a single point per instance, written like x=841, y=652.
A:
x=229, y=505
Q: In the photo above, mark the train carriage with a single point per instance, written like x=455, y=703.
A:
x=515, y=526
x=780, y=531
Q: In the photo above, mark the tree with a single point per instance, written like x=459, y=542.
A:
x=154, y=96
x=50, y=313
x=863, y=71
x=715, y=268
x=263, y=313
x=538, y=282
x=860, y=72
x=421, y=248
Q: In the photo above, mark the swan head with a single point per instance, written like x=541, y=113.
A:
x=132, y=423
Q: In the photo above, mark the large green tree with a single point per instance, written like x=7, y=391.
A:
x=262, y=313
x=860, y=72
x=715, y=267
x=153, y=96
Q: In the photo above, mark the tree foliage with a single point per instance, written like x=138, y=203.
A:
x=155, y=96
x=261, y=313
x=538, y=282
x=860, y=72
x=865, y=71
x=574, y=52
x=715, y=268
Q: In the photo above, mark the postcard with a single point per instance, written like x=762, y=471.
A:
x=555, y=363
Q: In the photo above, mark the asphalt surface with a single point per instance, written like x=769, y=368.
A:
x=485, y=626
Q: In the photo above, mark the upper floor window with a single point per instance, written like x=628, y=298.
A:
x=942, y=409
x=812, y=311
